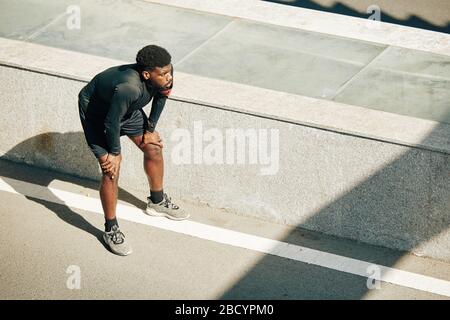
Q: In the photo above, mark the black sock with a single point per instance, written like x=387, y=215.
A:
x=110, y=223
x=156, y=196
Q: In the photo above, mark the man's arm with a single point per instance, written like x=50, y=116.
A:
x=159, y=101
x=124, y=95
x=158, y=104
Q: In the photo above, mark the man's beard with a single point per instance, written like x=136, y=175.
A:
x=150, y=84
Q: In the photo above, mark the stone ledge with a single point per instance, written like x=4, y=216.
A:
x=306, y=111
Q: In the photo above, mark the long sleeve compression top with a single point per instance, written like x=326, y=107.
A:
x=114, y=94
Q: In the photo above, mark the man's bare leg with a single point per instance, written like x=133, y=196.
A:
x=153, y=163
x=159, y=204
x=109, y=192
x=109, y=189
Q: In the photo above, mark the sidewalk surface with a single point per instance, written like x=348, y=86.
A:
x=43, y=234
x=377, y=76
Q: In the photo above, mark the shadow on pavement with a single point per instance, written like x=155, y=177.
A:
x=340, y=8
x=48, y=148
x=385, y=200
x=409, y=197
x=411, y=186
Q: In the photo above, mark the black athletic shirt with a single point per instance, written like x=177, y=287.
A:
x=114, y=94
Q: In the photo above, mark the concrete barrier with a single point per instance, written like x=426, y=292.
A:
x=347, y=171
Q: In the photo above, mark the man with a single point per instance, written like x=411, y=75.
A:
x=110, y=106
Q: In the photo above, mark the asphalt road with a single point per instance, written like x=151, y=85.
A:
x=51, y=249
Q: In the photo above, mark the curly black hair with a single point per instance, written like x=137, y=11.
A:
x=152, y=56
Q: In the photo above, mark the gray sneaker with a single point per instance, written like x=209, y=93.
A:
x=165, y=209
x=115, y=240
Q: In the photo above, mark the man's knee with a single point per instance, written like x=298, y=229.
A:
x=152, y=151
x=104, y=158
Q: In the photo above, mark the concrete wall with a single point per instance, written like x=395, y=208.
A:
x=337, y=183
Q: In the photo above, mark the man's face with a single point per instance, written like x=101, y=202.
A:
x=159, y=77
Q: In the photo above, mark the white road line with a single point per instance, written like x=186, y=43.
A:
x=234, y=238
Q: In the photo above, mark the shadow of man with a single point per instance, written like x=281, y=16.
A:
x=60, y=153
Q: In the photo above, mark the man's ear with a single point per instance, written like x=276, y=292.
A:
x=146, y=75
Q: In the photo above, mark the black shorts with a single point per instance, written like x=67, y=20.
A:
x=94, y=131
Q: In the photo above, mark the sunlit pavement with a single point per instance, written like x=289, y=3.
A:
x=50, y=249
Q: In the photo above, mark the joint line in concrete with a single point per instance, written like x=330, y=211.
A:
x=204, y=43
x=41, y=30
x=347, y=83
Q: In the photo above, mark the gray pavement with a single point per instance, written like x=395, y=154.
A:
x=371, y=75
x=40, y=239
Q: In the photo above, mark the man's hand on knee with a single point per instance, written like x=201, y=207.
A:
x=110, y=164
x=151, y=138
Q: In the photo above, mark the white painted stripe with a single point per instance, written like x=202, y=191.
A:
x=237, y=239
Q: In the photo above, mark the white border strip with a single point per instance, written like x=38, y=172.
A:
x=323, y=22
x=239, y=239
